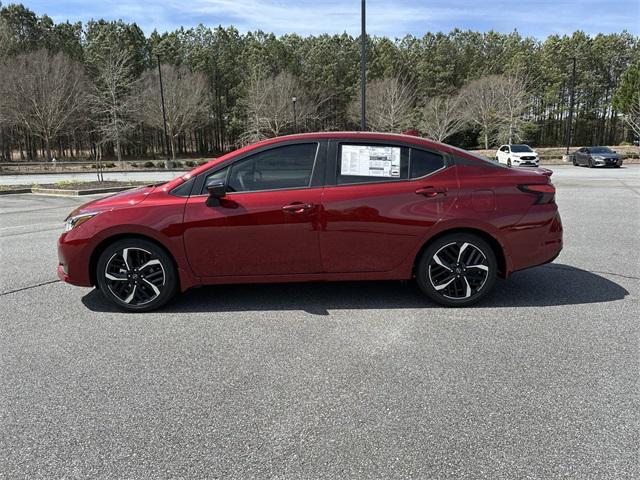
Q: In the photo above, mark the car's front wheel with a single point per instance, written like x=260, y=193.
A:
x=136, y=275
x=457, y=270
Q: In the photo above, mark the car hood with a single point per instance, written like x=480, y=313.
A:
x=127, y=198
x=605, y=155
x=525, y=154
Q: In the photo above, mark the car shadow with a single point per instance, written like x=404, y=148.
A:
x=548, y=285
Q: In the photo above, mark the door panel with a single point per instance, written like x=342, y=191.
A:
x=254, y=233
x=374, y=227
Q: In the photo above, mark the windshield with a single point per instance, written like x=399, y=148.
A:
x=520, y=148
x=600, y=150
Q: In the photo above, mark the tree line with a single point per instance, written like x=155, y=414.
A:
x=69, y=90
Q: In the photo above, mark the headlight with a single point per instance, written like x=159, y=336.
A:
x=75, y=220
x=598, y=157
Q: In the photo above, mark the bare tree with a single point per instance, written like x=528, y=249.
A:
x=111, y=100
x=482, y=101
x=515, y=101
x=44, y=93
x=389, y=105
x=6, y=39
x=632, y=117
x=270, y=106
x=441, y=117
x=186, y=100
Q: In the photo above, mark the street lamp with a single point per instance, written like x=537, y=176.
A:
x=363, y=66
x=571, y=102
x=295, y=119
x=167, y=163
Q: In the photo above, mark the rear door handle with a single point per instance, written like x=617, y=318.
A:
x=431, y=192
x=298, y=208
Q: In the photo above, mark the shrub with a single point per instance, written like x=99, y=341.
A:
x=190, y=163
x=148, y=165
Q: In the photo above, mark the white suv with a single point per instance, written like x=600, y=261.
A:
x=518, y=156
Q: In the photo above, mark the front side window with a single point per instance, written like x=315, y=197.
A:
x=290, y=166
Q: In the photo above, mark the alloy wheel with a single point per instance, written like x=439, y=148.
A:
x=458, y=270
x=135, y=276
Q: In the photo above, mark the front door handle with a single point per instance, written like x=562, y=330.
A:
x=431, y=192
x=298, y=208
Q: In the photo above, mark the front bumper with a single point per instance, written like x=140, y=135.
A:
x=526, y=163
x=607, y=162
x=73, y=261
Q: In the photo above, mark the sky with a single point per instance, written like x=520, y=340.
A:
x=392, y=18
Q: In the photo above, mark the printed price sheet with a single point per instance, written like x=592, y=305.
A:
x=369, y=161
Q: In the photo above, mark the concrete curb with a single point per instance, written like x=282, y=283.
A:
x=15, y=191
x=75, y=193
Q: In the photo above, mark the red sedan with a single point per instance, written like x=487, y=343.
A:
x=318, y=207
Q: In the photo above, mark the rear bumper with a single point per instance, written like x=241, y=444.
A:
x=536, y=241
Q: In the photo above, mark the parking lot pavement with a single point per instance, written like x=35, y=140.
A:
x=354, y=380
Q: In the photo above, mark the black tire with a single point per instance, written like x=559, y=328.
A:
x=131, y=288
x=460, y=286
x=508, y=162
x=590, y=163
x=575, y=162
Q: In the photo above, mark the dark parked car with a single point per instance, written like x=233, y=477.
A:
x=318, y=207
x=596, y=157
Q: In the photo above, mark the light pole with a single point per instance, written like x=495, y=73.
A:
x=573, y=88
x=363, y=66
x=295, y=119
x=167, y=163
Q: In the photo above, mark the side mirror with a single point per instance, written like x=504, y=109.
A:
x=217, y=188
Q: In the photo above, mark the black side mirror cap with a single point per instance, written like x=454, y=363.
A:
x=217, y=188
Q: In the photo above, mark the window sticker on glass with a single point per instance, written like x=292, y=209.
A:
x=370, y=161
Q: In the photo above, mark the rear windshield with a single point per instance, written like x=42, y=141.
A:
x=520, y=148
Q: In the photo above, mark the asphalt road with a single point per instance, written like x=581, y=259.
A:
x=355, y=380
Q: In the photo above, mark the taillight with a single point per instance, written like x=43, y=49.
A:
x=544, y=192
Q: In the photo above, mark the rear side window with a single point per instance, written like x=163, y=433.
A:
x=290, y=166
x=424, y=163
x=371, y=163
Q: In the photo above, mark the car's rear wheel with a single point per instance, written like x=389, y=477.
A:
x=136, y=275
x=457, y=270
